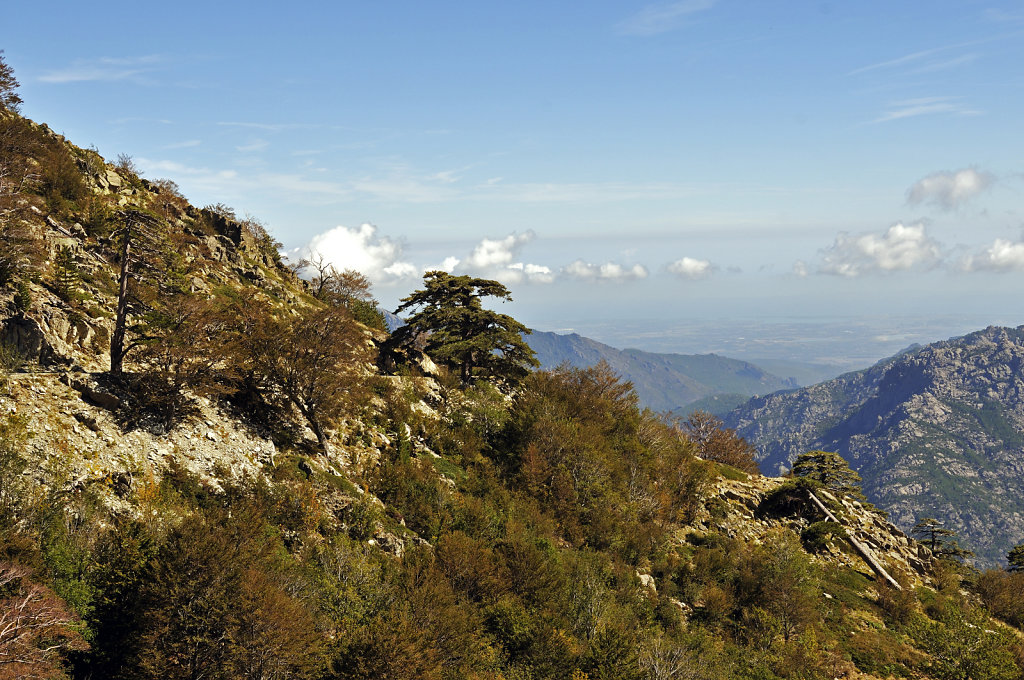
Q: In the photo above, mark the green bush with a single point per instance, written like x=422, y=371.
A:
x=790, y=498
x=22, y=298
x=819, y=535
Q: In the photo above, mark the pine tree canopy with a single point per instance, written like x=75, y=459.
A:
x=461, y=333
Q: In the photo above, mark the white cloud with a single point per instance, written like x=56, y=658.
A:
x=609, y=271
x=449, y=264
x=103, y=68
x=532, y=273
x=800, y=269
x=691, y=268
x=925, y=106
x=949, y=189
x=901, y=247
x=915, y=58
x=661, y=18
x=498, y=253
x=378, y=257
x=499, y=259
x=1001, y=256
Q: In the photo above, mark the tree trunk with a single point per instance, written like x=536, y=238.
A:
x=861, y=549
x=318, y=430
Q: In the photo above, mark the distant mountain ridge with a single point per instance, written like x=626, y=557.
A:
x=663, y=382
x=935, y=431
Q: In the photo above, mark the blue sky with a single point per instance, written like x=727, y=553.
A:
x=608, y=160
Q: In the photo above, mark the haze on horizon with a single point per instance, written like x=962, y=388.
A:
x=618, y=165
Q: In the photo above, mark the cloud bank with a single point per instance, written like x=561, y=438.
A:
x=582, y=270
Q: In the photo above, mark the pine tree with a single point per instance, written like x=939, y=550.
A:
x=66, y=275
x=830, y=470
x=939, y=539
x=461, y=334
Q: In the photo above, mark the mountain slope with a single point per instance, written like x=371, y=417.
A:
x=553, y=532
x=663, y=382
x=937, y=432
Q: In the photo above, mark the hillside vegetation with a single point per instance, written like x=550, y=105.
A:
x=210, y=469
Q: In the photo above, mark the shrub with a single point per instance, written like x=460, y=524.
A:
x=22, y=298
x=818, y=536
x=789, y=498
x=61, y=182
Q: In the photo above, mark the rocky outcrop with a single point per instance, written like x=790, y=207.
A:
x=936, y=432
x=876, y=545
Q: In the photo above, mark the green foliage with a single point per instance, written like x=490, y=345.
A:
x=361, y=519
x=366, y=313
x=463, y=335
x=830, y=470
x=939, y=539
x=22, y=298
x=789, y=498
x=119, y=568
x=964, y=646
x=13, y=434
x=819, y=535
x=9, y=98
x=1015, y=558
x=61, y=182
x=214, y=604
x=66, y=275
x=98, y=217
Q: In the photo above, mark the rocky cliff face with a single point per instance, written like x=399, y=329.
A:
x=937, y=432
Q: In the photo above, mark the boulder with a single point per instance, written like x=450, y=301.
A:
x=647, y=581
x=92, y=392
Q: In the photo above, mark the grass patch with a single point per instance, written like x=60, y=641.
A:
x=448, y=469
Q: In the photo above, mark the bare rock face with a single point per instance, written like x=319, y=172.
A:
x=937, y=432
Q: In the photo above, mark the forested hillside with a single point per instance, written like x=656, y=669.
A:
x=211, y=467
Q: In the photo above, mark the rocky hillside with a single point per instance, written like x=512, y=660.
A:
x=254, y=496
x=664, y=382
x=936, y=432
